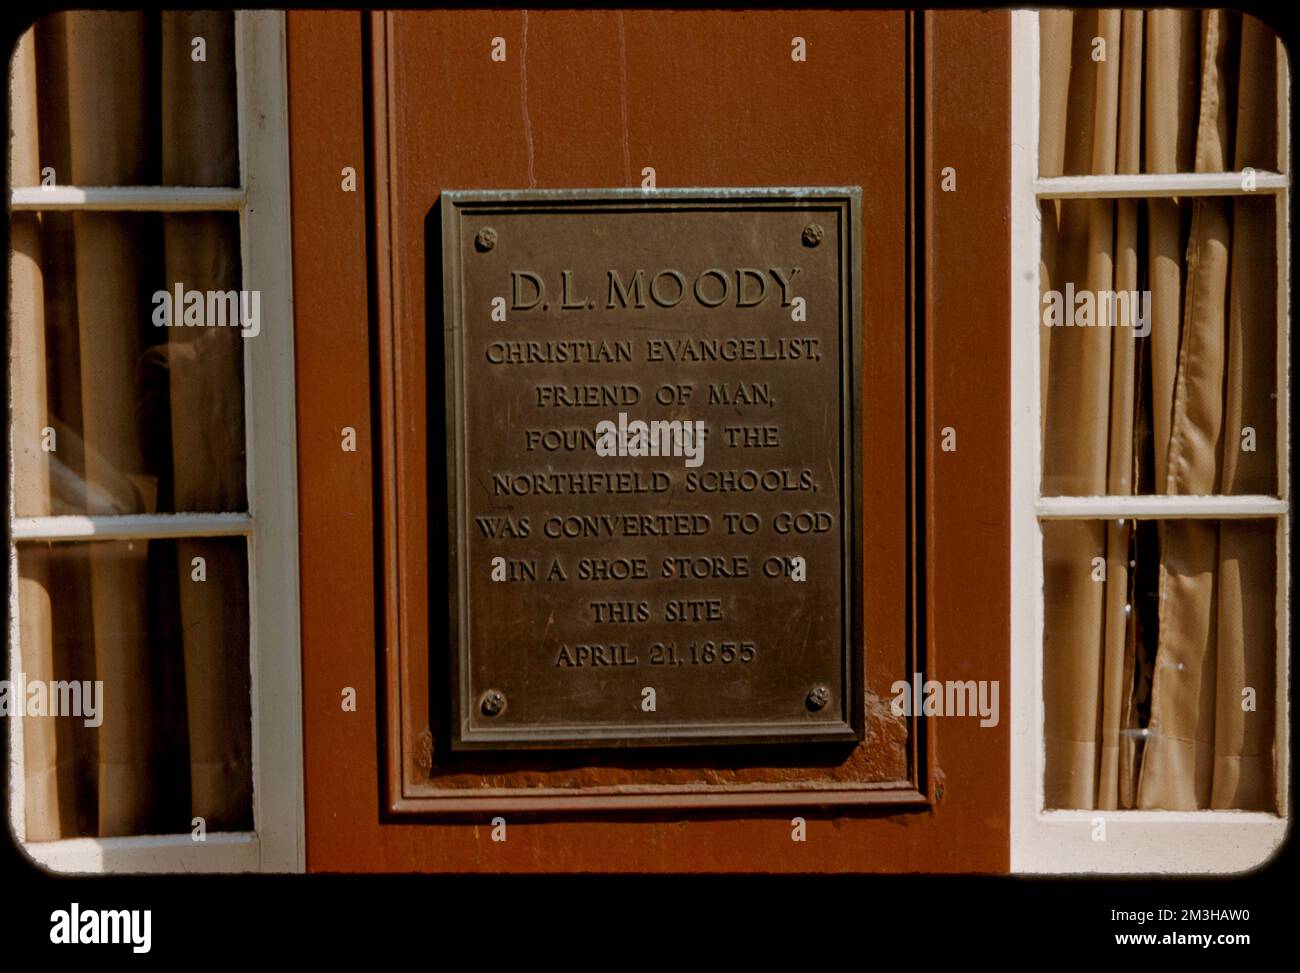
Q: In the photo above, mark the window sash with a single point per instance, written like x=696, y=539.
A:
x=1137, y=841
x=262, y=202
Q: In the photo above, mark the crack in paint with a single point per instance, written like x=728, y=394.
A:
x=622, y=78
x=523, y=100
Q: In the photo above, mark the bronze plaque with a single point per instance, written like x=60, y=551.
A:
x=652, y=462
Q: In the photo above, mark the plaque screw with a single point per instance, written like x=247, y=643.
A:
x=492, y=702
x=818, y=696
x=486, y=239
x=813, y=234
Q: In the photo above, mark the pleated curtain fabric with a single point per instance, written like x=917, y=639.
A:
x=115, y=99
x=46, y=767
x=1176, y=91
x=200, y=148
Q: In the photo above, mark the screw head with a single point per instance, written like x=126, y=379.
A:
x=819, y=696
x=813, y=234
x=492, y=702
x=485, y=240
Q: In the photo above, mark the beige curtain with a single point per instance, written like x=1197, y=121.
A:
x=144, y=420
x=199, y=140
x=1173, y=91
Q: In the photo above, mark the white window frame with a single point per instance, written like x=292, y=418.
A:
x=1135, y=841
x=271, y=524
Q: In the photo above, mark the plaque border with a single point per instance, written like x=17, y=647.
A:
x=846, y=203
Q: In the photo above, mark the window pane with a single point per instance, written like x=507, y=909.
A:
x=135, y=98
x=115, y=412
x=1159, y=654
x=1159, y=346
x=135, y=688
x=1156, y=91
